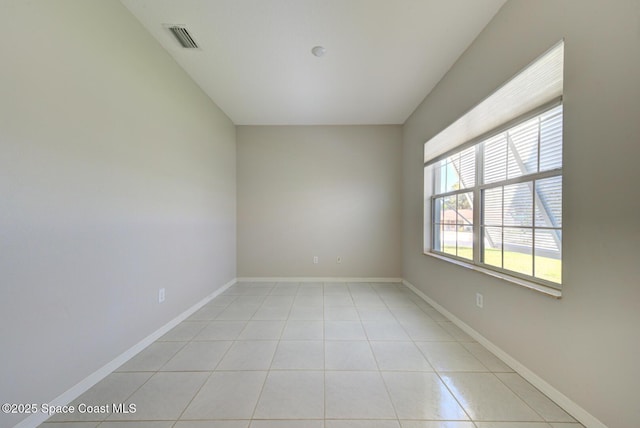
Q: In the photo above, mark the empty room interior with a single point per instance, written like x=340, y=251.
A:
x=320, y=213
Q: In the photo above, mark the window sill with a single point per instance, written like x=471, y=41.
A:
x=552, y=292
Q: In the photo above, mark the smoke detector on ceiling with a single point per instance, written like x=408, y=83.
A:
x=182, y=35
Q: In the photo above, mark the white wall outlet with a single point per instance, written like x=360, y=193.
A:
x=338, y=259
x=315, y=260
x=161, y=295
x=479, y=300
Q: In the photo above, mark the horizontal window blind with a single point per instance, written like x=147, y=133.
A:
x=534, y=88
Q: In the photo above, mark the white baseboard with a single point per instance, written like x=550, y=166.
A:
x=316, y=279
x=584, y=417
x=74, y=392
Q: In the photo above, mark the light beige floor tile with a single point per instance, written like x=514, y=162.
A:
x=114, y=388
x=212, y=424
x=539, y=402
x=253, y=300
x=489, y=360
x=565, y=425
x=387, y=286
x=341, y=313
x=299, y=354
x=344, y=330
x=512, y=425
x=69, y=425
x=285, y=290
x=222, y=301
x=292, y=395
x=164, y=396
x=360, y=287
x=436, y=424
x=306, y=312
x=338, y=300
x=227, y=395
x=368, y=300
x=152, y=357
x=249, y=355
x=399, y=356
x=279, y=301
x=450, y=357
x=221, y=330
x=422, y=396
x=355, y=423
x=310, y=289
x=257, y=287
x=138, y=424
x=349, y=355
x=412, y=316
x=485, y=398
x=272, y=313
x=428, y=331
x=184, y=331
x=303, y=330
x=399, y=301
x=262, y=330
x=207, y=313
x=357, y=395
x=368, y=313
x=385, y=330
x=198, y=356
x=238, y=311
x=309, y=300
x=287, y=424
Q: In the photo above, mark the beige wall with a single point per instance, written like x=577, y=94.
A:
x=587, y=344
x=118, y=178
x=325, y=191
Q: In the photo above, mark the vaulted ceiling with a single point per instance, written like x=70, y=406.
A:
x=254, y=58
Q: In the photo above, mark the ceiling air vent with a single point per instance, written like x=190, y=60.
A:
x=183, y=36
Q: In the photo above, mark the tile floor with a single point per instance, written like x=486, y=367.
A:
x=313, y=355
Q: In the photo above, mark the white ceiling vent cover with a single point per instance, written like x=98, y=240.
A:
x=181, y=34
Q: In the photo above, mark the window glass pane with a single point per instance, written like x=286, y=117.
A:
x=492, y=246
x=449, y=239
x=548, y=255
x=495, y=159
x=551, y=140
x=468, y=168
x=465, y=242
x=492, y=200
x=441, y=177
x=465, y=209
x=438, y=208
x=517, y=250
x=549, y=202
x=438, y=237
x=449, y=215
x=523, y=149
x=451, y=171
x=518, y=204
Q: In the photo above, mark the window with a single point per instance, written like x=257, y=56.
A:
x=495, y=200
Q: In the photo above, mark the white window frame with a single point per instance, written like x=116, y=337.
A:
x=545, y=76
x=477, y=190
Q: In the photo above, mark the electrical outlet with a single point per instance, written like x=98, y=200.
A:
x=161, y=295
x=338, y=260
x=479, y=300
x=315, y=260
